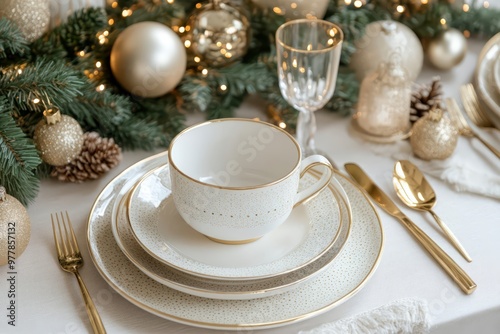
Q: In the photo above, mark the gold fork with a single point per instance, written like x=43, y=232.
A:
x=463, y=124
x=70, y=259
x=472, y=106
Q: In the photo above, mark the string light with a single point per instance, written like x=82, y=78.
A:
x=442, y=21
x=486, y=4
x=98, y=64
x=465, y=7
x=358, y=3
x=114, y=4
x=400, y=9
x=126, y=12
x=204, y=72
x=36, y=100
x=100, y=88
x=223, y=88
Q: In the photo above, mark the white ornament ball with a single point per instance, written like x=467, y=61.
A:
x=296, y=9
x=15, y=228
x=447, y=49
x=30, y=16
x=148, y=59
x=381, y=39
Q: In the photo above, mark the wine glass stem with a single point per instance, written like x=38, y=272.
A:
x=306, y=129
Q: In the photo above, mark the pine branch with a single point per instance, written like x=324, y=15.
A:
x=41, y=80
x=18, y=159
x=478, y=21
x=12, y=41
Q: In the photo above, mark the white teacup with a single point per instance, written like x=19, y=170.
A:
x=235, y=180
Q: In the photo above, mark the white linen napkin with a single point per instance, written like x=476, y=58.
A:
x=471, y=168
x=405, y=316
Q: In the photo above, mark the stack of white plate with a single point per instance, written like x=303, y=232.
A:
x=322, y=255
x=487, y=79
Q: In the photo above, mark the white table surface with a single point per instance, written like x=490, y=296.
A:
x=49, y=301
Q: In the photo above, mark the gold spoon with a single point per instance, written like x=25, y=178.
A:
x=414, y=190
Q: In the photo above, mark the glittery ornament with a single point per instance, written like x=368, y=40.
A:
x=434, y=136
x=384, y=100
x=148, y=59
x=15, y=228
x=30, y=16
x=58, y=138
x=447, y=49
x=218, y=34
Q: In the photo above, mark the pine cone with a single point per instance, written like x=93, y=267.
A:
x=98, y=156
x=424, y=97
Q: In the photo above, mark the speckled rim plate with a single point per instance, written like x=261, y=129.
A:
x=209, y=288
x=334, y=285
x=309, y=232
x=484, y=79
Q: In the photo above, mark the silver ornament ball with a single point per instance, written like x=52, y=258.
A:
x=58, y=138
x=30, y=16
x=14, y=225
x=148, y=59
x=218, y=33
x=447, y=50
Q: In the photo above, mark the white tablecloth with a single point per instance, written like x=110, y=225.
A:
x=48, y=300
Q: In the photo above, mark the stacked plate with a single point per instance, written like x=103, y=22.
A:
x=487, y=79
x=322, y=255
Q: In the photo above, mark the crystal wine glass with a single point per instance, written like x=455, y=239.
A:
x=308, y=55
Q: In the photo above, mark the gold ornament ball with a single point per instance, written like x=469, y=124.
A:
x=447, y=50
x=148, y=59
x=218, y=33
x=434, y=136
x=296, y=9
x=381, y=39
x=58, y=138
x=30, y=16
x=15, y=228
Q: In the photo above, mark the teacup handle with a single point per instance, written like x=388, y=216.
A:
x=306, y=164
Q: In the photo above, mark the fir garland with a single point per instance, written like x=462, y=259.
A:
x=57, y=69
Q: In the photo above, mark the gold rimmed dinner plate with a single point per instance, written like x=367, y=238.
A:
x=350, y=271
x=310, y=231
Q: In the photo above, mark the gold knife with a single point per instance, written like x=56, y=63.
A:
x=451, y=267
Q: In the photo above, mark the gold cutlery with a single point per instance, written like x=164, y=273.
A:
x=416, y=192
x=70, y=259
x=473, y=107
x=444, y=260
x=464, y=124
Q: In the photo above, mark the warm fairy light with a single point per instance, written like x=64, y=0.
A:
x=198, y=5
x=188, y=27
x=229, y=46
x=309, y=47
x=442, y=21
x=347, y=2
x=126, y=12
x=105, y=33
x=424, y=2
x=293, y=5
x=36, y=100
x=228, y=55
x=111, y=22
x=219, y=44
x=282, y=125
x=98, y=64
x=358, y=3
x=223, y=51
x=114, y=4
x=170, y=1
x=187, y=43
x=81, y=53
x=197, y=59
x=182, y=30
x=466, y=33
x=400, y=9
x=223, y=88
x=302, y=70
x=100, y=88
x=204, y=71
x=486, y=4
x=330, y=41
x=294, y=63
x=277, y=10
x=465, y=7
x=19, y=71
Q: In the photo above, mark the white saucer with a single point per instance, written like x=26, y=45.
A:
x=309, y=232
x=333, y=285
x=216, y=289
